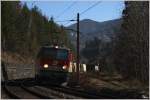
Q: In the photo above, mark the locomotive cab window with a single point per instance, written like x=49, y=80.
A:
x=53, y=53
x=62, y=54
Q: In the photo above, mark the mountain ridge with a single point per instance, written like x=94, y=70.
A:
x=89, y=29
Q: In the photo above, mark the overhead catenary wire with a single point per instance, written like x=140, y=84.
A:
x=70, y=21
x=65, y=10
x=95, y=4
x=83, y=12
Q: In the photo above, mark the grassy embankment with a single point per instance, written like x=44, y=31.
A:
x=116, y=82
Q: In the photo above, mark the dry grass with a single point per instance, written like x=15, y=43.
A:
x=98, y=81
x=84, y=80
x=115, y=82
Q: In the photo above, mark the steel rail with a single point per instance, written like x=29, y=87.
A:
x=10, y=94
x=76, y=92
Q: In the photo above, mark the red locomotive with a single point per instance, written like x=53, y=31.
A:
x=53, y=64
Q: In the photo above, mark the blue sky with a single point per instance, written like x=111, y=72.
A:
x=105, y=10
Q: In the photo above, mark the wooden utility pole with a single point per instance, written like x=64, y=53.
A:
x=78, y=58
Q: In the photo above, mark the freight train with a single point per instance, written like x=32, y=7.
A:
x=52, y=64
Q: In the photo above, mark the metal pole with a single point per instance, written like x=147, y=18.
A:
x=78, y=61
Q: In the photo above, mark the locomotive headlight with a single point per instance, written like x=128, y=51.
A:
x=64, y=67
x=45, y=65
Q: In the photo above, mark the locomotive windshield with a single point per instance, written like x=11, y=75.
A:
x=53, y=53
x=61, y=54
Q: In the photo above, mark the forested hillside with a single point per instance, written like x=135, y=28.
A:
x=131, y=55
x=24, y=30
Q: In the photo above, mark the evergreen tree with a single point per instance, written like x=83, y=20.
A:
x=131, y=48
x=24, y=31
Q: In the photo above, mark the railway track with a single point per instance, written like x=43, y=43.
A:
x=77, y=93
x=9, y=94
x=105, y=93
x=56, y=94
x=22, y=92
x=19, y=89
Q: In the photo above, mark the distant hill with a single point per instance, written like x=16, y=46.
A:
x=90, y=29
